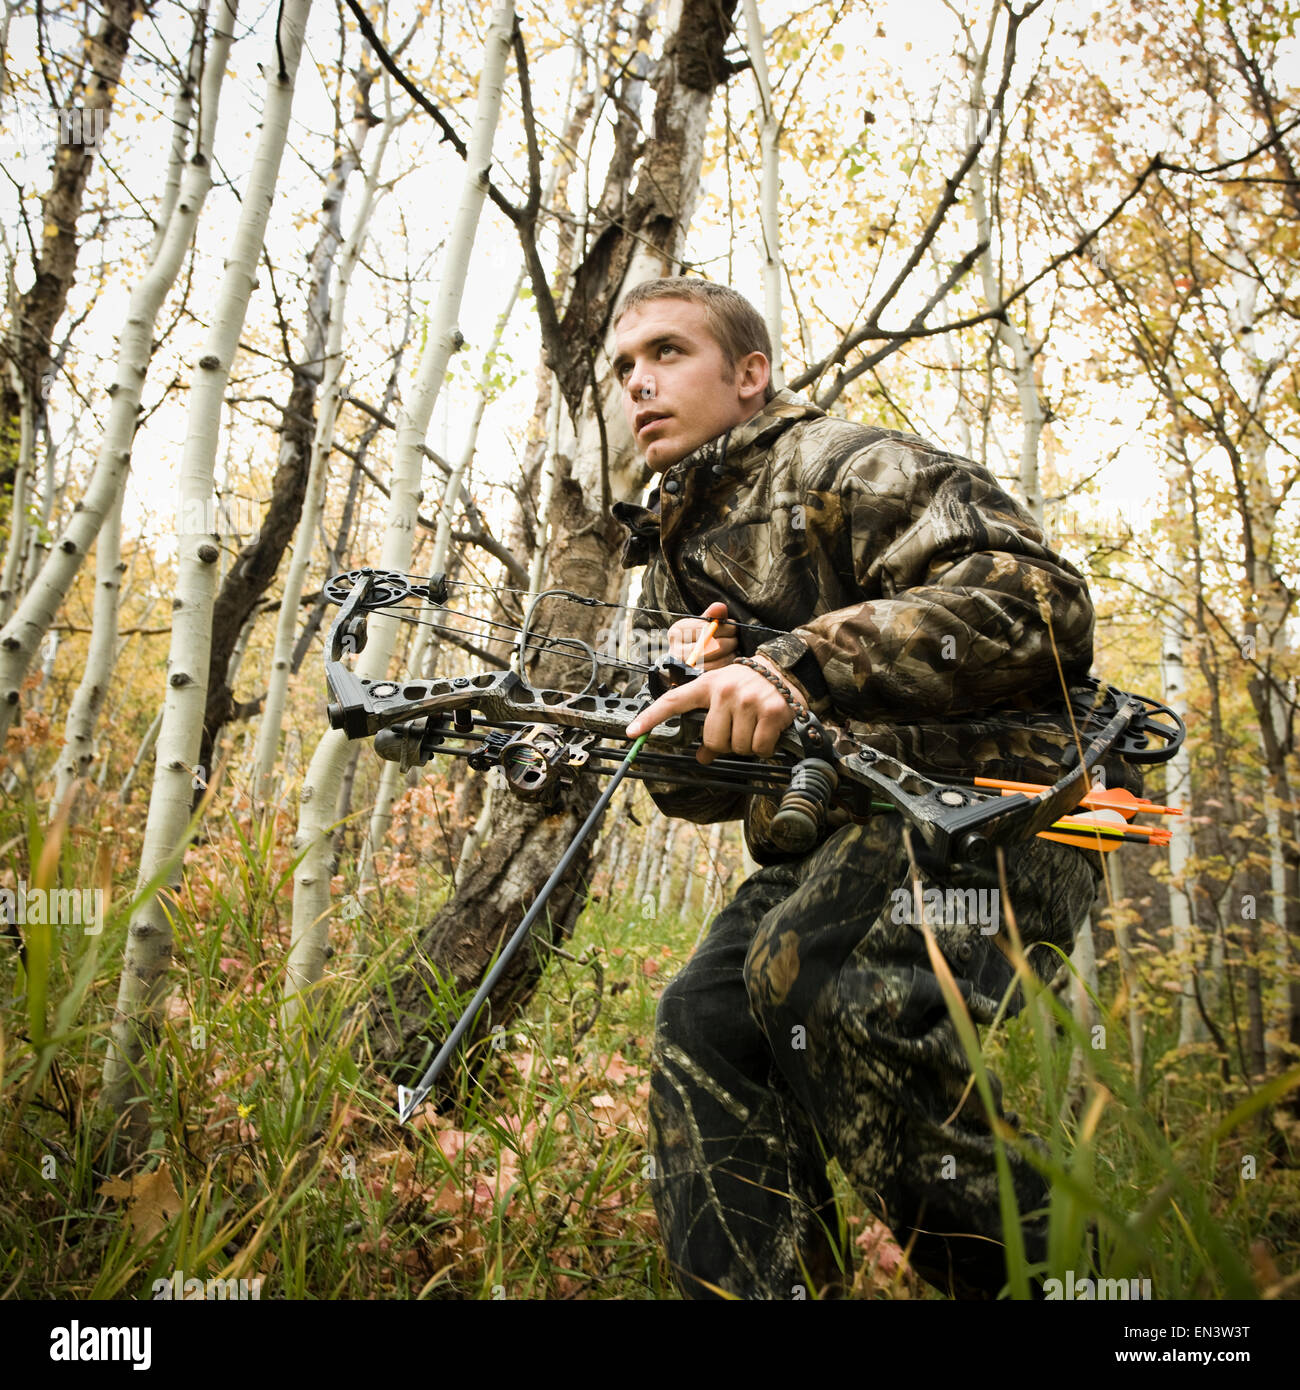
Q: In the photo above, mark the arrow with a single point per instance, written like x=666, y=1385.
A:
x=409, y=1100
x=1153, y=835
x=1098, y=799
x=1082, y=842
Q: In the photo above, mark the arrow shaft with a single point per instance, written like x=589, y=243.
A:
x=1098, y=799
x=490, y=980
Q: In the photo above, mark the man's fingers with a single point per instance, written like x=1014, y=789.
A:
x=685, y=634
x=720, y=649
x=770, y=728
x=744, y=722
x=717, y=733
x=745, y=715
x=693, y=695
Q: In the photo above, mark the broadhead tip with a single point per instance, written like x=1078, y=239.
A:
x=408, y=1102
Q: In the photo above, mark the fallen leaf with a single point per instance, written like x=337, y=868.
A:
x=452, y=1142
x=617, y=1069
x=151, y=1200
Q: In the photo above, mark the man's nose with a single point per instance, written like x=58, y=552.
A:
x=641, y=383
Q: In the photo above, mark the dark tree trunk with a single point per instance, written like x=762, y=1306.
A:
x=525, y=841
x=30, y=337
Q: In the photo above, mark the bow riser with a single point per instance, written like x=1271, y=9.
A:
x=363, y=707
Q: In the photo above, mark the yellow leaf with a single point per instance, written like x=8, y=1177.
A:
x=152, y=1200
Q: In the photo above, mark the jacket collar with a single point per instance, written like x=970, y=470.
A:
x=725, y=450
x=758, y=431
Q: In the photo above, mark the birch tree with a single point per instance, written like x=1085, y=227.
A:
x=78, y=753
x=84, y=117
x=176, y=770
x=313, y=842
x=424, y=650
x=255, y=567
x=1178, y=775
x=1006, y=333
x=769, y=186
x=313, y=504
x=182, y=203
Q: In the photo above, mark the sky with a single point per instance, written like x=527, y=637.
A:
x=412, y=220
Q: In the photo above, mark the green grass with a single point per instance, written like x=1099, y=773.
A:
x=301, y=1177
x=1144, y=1186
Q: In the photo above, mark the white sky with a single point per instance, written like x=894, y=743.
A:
x=412, y=220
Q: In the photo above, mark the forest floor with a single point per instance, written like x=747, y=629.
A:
x=536, y=1184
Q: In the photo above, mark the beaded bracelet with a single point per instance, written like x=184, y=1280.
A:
x=797, y=705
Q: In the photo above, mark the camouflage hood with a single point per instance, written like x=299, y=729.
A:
x=912, y=599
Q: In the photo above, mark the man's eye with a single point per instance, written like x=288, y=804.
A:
x=666, y=347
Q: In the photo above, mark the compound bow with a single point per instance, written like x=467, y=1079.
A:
x=539, y=738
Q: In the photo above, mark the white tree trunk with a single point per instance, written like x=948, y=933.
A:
x=770, y=187
x=1277, y=1027
x=713, y=872
x=313, y=505
x=22, y=634
x=1178, y=777
x=79, y=733
x=176, y=776
x=311, y=899
x=651, y=855
x=11, y=575
x=146, y=743
x=426, y=643
x=1084, y=960
x=182, y=120
x=1021, y=371
x=661, y=874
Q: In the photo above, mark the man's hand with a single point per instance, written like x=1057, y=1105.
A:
x=746, y=712
x=686, y=632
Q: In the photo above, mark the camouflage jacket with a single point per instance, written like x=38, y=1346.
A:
x=906, y=593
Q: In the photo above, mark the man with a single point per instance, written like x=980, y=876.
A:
x=898, y=592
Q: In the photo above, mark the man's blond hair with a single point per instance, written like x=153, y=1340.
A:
x=732, y=319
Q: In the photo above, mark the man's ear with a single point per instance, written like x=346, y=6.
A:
x=753, y=372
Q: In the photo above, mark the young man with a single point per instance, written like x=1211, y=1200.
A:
x=901, y=594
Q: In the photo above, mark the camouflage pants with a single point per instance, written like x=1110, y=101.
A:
x=810, y=1025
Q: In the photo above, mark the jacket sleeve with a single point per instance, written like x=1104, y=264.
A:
x=964, y=605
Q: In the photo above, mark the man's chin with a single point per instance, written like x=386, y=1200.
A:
x=660, y=458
